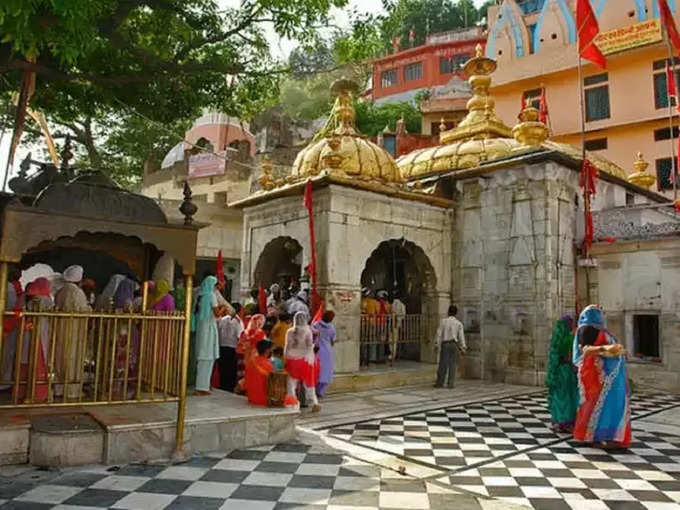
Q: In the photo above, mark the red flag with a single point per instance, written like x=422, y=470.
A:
x=308, y=203
x=319, y=313
x=587, y=31
x=670, y=81
x=219, y=269
x=543, y=108
x=676, y=204
x=522, y=106
x=25, y=93
x=262, y=300
x=669, y=23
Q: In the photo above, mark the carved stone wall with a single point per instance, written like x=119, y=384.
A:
x=512, y=271
x=350, y=225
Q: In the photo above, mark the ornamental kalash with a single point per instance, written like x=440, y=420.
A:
x=491, y=219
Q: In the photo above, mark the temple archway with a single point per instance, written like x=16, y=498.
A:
x=280, y=262
x=404, y=270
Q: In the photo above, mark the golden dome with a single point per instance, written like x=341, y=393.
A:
x=482, y=137
x=339, y=150
x=641, y=177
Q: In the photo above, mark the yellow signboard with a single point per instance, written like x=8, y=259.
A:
x=632, y=36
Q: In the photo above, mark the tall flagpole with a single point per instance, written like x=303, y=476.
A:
x=674, y=163
x=586, y=195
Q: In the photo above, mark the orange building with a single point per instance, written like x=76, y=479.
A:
x=399, y=76
x=534, y=42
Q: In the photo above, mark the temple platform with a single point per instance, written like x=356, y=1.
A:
x=380, y=376
x=117, y=434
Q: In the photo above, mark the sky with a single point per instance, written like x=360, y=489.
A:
x=281, y=48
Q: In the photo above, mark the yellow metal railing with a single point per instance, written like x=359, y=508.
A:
x=61, y=358
x=52, y=358
x=389, y=336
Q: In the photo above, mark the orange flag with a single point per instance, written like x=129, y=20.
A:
x=587, y=31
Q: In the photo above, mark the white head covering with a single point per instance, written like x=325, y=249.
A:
x=73, y=274
x=109, y=291
x=274, y=288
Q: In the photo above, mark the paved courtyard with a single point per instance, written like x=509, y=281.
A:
x=411, y=448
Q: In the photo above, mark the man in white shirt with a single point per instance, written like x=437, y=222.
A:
x=229, y=329
x=450, y=339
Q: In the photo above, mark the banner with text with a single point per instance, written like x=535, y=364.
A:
x=620, y=39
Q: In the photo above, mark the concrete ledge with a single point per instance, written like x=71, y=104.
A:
x=384, y=376
x=119, y=434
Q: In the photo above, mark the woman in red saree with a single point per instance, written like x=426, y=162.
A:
x=247, y=342
x=603, y=415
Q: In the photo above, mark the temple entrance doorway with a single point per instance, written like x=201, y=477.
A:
x=397, y=269
x=280, y=262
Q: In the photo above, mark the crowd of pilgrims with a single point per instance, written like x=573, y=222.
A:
x=588, y=389
x=233, y=347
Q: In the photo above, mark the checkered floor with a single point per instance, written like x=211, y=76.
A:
x=287, y=476
x=460, y=437
x=571, y=476
x=505, y=449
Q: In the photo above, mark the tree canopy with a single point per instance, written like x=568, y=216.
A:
x=106, y=66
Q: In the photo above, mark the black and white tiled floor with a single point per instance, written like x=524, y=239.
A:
x=283, y=477
x=456, y=437
x=571, y=476
x=505, y=449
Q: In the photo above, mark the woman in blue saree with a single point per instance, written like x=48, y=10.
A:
x=604, y=407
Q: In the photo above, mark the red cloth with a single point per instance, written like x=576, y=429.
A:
x=587, y=31
x=38, y=287
x=308, y=203
x=215, y=381
x=301, y=370
x=257, y=372
x=670, y=81
x=318, y=314
x=543, y=107
x=219, y=270
x=588, y=178
x=669, y=23
x=261, y=300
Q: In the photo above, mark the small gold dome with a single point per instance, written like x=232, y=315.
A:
x=340, y=150
x=641, y=177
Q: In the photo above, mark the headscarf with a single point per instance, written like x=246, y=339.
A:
x=593, y=316
x=39, y=287
x=256, y=323
x=161, y=289
x=125, y=293
x=300, y=328
x=109, y=291
x=73, y=274
x=205, y=292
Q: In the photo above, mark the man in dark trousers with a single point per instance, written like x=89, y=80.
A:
x=449, y=341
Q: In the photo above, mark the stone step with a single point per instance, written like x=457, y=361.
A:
x=66, y=440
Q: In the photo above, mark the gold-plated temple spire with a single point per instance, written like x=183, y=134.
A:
x=481, y=121
x=530, y=132
x=641, y=177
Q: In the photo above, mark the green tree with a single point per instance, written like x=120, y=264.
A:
x=103, y=63
x=371, y=119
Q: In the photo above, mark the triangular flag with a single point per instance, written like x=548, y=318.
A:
x=219, y=269
x=669, y=23
x=587, y=31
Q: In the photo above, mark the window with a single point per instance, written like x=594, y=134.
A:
x=665, y=134
x=448, y=65
x=413, y=71
x=532, y=34
x=388, y=78
x=533, y=98
x=598, y=144
x=597, y=97
x=630, y=198
x=663, y=173
x=660, y=85
x=646, y=337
